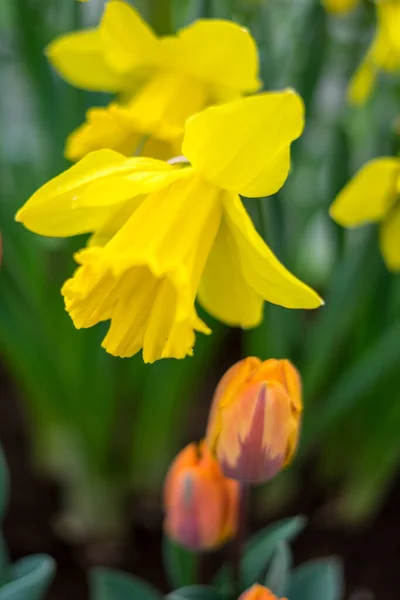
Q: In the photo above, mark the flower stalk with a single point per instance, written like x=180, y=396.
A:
x=240, y=539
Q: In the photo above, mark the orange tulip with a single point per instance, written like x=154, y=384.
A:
x=255, y=417
x=200, y=503
x=258, y=592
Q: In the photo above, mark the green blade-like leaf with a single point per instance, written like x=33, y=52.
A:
x=4, y=562
x=106, y=584
x=373, y=365
x=261, y=547
x=30, y=578
x=179, y=563
x=317, y=579
x=278, y=572
x=194, y=592
x=259, y=550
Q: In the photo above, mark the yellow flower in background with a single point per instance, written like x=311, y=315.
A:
x=373, y=196
x=166, y=233
x=161, y=81
x=383, y=53
x=340, y=6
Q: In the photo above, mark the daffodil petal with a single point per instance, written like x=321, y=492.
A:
x=390, y=239
x=362, y=82
x=215, y=51
x=127, y=41
x=383, y=53
x=392, y=22
x=83, y=197
x=103, y=128
x=386, y=46
x=79, y=59
x=223, y=290
x=244, y=146
x=163, y=104
x=260, y=267
x=369, y=195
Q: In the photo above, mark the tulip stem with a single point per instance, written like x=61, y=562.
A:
x=240, y=539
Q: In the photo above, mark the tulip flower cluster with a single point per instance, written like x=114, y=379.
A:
x=251, y=435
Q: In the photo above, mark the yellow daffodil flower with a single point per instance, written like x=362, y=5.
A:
x=339, y=6
x=373, y=196
x=166, y=233
x=161, y=81
x=383, y=53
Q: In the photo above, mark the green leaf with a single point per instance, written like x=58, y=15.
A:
x=194, y=592
x=260, y=548
x=354, y=383
x=106, y=584
x=4, y=484
x=30, y=578
x=179, y=563
x=317, y=579
x=259, y=551
x=4, y=562
x=279, y=568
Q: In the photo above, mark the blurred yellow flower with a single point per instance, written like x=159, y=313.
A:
x=255, y=418
x=340, y=6
x=165, y=233
x=383, y=53
x=160, y=81
x=372, y=196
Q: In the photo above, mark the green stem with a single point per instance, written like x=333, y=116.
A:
x=238, y=544
x=160, y=16
x=207, y=11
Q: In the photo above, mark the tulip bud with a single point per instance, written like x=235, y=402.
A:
x=258, y=592
x=255, y=417
x=200, y=503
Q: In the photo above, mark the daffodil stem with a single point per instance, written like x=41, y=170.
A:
x=240, y=539
x=161, y=16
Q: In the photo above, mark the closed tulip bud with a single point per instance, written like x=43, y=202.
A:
x=255, y=417
x=259, y=592
x=200, y=503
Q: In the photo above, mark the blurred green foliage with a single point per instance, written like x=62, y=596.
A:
x=102, y=425
x=28, y=578
x=267, y=560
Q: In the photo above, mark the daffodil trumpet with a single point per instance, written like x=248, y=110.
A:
x=164, y=234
